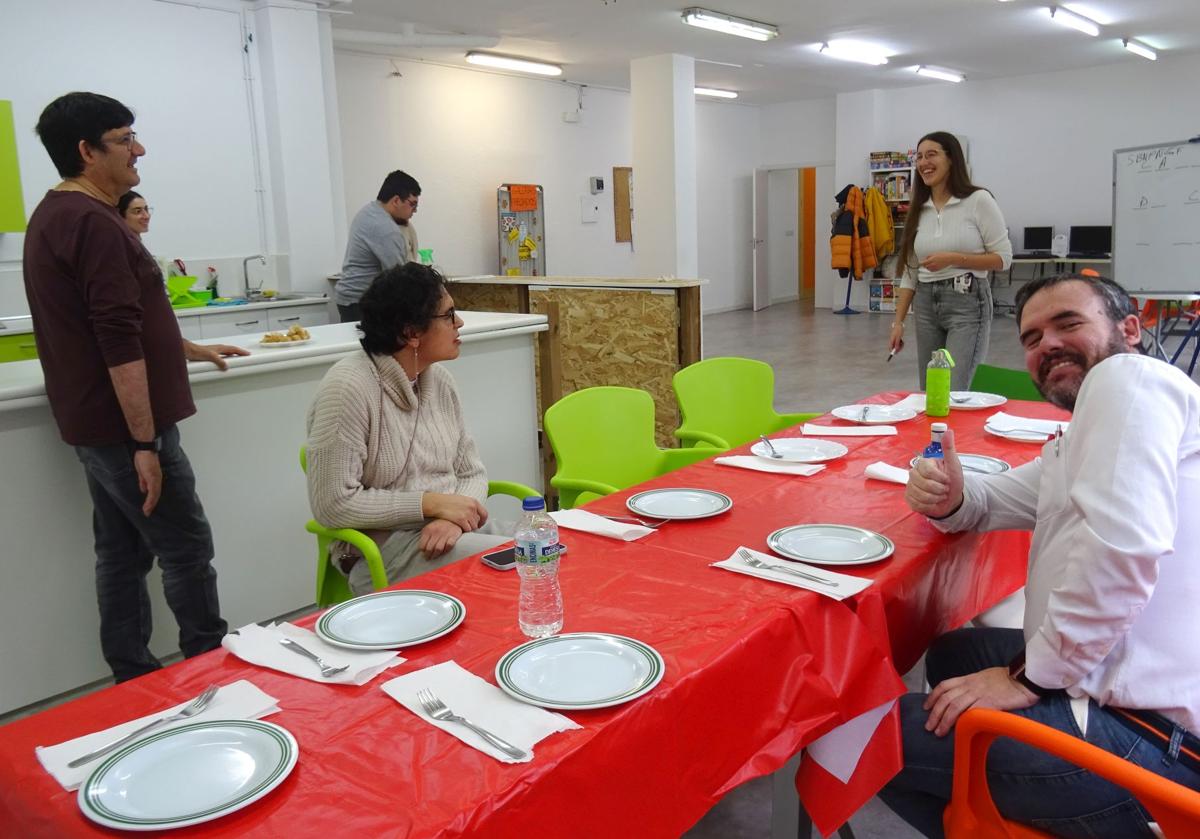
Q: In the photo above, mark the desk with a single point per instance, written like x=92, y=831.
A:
x=754, y=672
x=1039, y=270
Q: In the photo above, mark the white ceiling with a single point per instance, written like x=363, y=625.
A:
x=594, y=40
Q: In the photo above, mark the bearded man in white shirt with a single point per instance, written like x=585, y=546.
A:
x=1110, y=650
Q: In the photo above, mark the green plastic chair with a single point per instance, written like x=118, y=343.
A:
x=332, y=586
x=603, y=441
x=1004, y=381
x=727, y=402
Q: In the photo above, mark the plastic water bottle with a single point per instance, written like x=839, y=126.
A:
x=540, y=612
x=937, y=384
x=934, y=450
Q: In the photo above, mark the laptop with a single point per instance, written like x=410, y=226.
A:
x=1037, y=243
x=1090, y=242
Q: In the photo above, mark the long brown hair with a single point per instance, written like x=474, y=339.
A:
x=960, y=187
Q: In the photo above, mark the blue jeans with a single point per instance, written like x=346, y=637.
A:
x=127, y=543
x=1028, y=785
x=959, y=321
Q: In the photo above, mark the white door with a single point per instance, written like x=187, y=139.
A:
x=762, y=282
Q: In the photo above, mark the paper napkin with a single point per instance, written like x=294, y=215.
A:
x=240, y=700
x=591, y=523
x=839, y=750
x=916, y=401
x=887, y=472
x=849, y=430
x=847, y=586
x=758, y=464
x=482, y=703
x=1000, y=421
x=260, y=645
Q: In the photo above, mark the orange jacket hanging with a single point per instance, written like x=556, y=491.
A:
x=850, y=244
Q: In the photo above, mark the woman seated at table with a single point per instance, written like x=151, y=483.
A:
x=388, y=452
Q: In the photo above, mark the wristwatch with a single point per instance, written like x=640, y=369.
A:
x=154, y=445
x=1016, y=670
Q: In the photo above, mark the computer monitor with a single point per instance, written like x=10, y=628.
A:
x=1038, y=238
x=1091, y=239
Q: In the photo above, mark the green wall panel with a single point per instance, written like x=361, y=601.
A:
x=12, y=205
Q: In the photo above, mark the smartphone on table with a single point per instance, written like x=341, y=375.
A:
x=505, y=559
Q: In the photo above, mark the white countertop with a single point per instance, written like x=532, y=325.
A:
x=21, y=381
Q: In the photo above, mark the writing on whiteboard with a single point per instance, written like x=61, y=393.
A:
x=1151, y=160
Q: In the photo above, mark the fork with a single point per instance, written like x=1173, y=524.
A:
x=755, y=562
x=190, y=710
x=865, y=409
x=327, y=670
x=770, y=447
x=437, y=709
x=653, y=525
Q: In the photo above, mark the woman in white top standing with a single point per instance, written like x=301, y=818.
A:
x=954, y=235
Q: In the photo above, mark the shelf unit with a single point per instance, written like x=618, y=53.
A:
x=892, y=173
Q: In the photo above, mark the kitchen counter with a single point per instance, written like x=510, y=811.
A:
x=586, y=282
x=244, y=443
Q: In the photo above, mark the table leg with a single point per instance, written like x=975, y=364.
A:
x=788, y=818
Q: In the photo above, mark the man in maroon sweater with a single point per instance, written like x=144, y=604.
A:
x=115, y=366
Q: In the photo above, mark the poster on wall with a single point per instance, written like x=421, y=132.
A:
x=522, y=197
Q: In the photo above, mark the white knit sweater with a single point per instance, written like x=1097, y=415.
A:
x=375, y=446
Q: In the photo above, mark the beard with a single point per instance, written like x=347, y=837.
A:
x=1064, y=392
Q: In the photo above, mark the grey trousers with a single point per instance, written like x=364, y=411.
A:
x=402, y=558
x=959, y=321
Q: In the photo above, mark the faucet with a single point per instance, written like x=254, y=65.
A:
x=249, y=293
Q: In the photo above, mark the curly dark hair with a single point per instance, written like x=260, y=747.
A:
x=401, y=302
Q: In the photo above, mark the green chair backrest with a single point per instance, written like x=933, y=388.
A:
x=603, y=434
x=1004, y=381
x=732, y=398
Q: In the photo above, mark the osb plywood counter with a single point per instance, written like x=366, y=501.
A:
x=634, y=332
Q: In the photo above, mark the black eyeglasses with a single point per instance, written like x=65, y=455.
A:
x=449, y=315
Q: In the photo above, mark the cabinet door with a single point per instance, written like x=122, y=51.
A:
x=284, y=317
x=229, y=324
x=189, y=327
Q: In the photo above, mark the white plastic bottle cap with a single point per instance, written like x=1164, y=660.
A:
x=938, y=427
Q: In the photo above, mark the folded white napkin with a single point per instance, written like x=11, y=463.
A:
x=839, y=750
x=1000, y=421
x=847, y=586
x=887, y=472
x=758, y=464
x=592, y=523
x=260, y=645
x=482, y=703
x=849, y=430
x=240, y=700
x=916, y=401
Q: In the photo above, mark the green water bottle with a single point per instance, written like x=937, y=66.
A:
x=937, y=384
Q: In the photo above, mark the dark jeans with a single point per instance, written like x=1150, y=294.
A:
x=1028, y=785
x=349, y=314
x=959, y=321
x=127, y=543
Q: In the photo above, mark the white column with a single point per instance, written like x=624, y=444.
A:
x=664, y=165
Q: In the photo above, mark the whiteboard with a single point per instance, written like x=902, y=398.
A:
x=1156, y=217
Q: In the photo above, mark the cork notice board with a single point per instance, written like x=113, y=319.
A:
x=623, y=202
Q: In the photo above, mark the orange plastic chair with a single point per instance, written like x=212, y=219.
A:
x=973, y=814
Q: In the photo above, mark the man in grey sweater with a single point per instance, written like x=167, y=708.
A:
x=381, y=236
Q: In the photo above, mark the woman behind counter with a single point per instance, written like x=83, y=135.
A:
x=954, y=235
x=136, y=213
x=388, y=452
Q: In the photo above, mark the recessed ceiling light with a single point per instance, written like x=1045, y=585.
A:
x=508, y=62
x=1140, y=49
x=720, y=94
x=936, y=73
x=730, y=25
x=854, y=51
x=1075, y=21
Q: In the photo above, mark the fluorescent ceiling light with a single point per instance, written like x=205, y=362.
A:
x=720, y=94
x=1067, y=18
x=506, y=62
x=1140, y=49
x=944, y=75
x=730, y=25
x=853, y=51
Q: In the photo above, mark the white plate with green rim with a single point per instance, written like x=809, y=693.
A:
x=977, y=463
x=679, y=503
x=830, y=544
x=579, y=671
x=874, y=414
x=389, y=620
x=188, y=775
x=974, y=400
x=800, y=450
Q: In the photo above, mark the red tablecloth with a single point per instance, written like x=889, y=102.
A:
x=754, y=671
